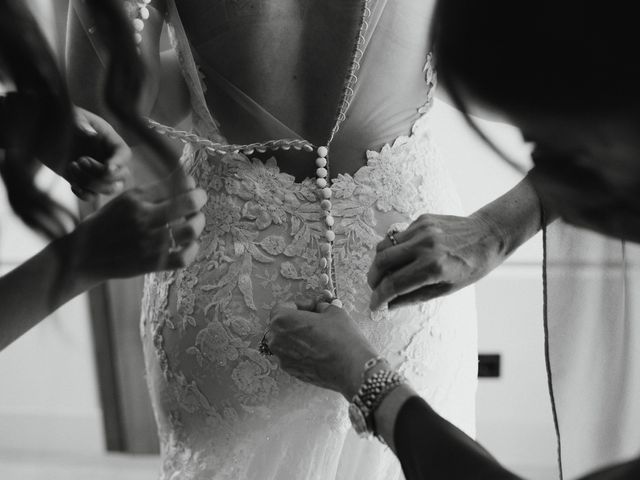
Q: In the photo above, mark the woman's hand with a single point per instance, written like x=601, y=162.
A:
x=436, y=255
x=100, y=158
x=325, y=347
x=143, y=230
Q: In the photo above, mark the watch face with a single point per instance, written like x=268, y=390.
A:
x=357, y=420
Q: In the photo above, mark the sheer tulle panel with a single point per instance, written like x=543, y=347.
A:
x=272, y=70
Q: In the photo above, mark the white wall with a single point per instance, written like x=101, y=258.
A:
x=514, y=416
x=48, y=399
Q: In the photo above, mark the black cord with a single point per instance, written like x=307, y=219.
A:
x=545, y=315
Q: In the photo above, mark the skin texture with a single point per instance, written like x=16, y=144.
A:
x=440, y=254
x=125, y=238
x=101, y=158
x=317, y=357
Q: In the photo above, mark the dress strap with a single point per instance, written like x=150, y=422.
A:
x=206, y=121
x=352, y=78
x=212, y=147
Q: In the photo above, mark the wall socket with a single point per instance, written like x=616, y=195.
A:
x=489, y=365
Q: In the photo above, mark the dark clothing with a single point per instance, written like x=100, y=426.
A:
x=3, y=120
x=431, y=448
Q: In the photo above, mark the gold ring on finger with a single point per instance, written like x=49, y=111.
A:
x=391, y=234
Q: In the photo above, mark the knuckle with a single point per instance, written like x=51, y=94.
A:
x=424, y=219
x=128, y=199
x=140, y=216
x=428, y=243
x=190, y=203
x=388, y=286
x=180, y=260
x=381, y=258
x=190, y=232
x=435, y=267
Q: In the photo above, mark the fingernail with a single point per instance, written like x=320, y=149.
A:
x=373, y=303
x=87, y=128
x=84, y=161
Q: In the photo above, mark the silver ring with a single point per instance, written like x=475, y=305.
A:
x=173, y=247
x=263, y=348
x=391, y=234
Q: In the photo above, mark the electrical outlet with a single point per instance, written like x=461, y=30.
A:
x=489, y=365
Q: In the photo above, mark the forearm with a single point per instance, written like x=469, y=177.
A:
x=515, y=217
x=427, y=445
x=430, y=447
x=35, y=289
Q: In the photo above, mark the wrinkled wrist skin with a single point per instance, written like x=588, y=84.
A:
x=355, y=370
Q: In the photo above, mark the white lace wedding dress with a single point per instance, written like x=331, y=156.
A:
x=224, y=411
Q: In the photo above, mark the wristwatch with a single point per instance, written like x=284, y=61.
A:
x=358, y=418
x=369, y=396
x=357, y=412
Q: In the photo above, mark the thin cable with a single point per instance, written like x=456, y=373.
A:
x=547, y=358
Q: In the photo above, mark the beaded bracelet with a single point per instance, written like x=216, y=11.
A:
x=369, y=397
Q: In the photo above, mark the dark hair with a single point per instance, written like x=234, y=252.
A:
x=45, y=110
x=125, y=77
x=42, y=117
x=554, y=56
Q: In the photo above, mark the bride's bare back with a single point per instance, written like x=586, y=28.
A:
x=277, y=69
x=288, y=56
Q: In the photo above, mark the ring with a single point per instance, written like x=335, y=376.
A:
x=263, y=348
x=391, y=234
x=173, y=247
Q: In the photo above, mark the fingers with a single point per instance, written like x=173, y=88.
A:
x=283, y=318
x=311, y=305
x=102, y=143
x=183, y=205
x=168, y=187
x=389, y=259
x=404, y=281
x=423, y=294
x=95, y=177
x=400, y=237
x=323, y=307
x=307, y=304
x=190, y=230
x=183, y=257
x=82, y=194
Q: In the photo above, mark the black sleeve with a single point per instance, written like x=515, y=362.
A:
x=3, y=122
x=431, y=448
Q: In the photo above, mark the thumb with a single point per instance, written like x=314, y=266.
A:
x=307, y=304
x=321, y=307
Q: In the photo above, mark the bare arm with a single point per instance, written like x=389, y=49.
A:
x=125, y=238
x=515, y=217
x=440, y=254
x=37, y=288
